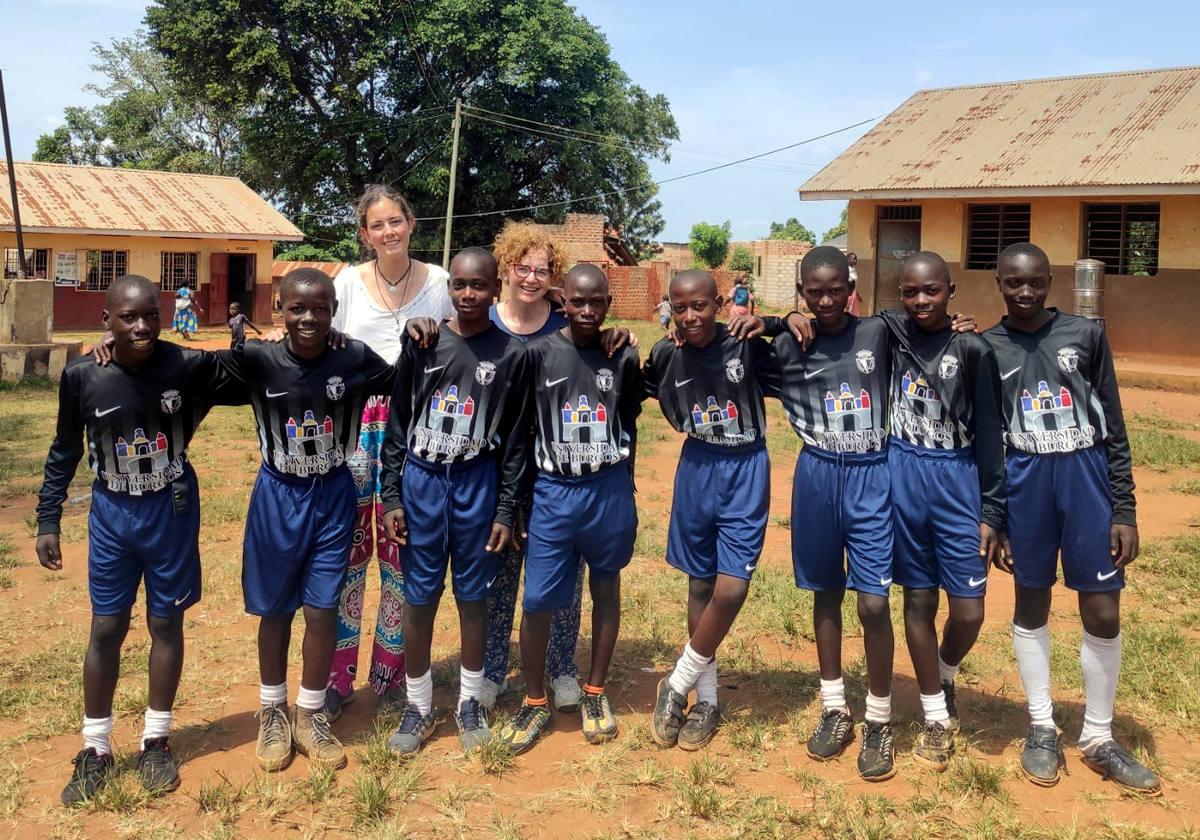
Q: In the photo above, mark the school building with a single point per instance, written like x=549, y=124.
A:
x=1105, y=167
x=84, y=226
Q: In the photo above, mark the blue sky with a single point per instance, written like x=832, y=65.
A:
x=741, y=77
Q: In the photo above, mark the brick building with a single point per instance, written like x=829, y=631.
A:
x=776, y=266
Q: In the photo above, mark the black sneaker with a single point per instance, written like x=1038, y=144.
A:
x=949, y=692
x=700, y=727
x=877, y=756
x=1111, y=761
x=1042, y=756
x=832, y=735
x=668, y=718
x=157, y=767
x=335, y=703
x=90, y=774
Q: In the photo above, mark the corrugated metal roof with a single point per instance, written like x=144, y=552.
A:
x=1135, y=129
x=279, y=268
x=56, y=197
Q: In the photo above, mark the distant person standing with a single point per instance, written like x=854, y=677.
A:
x=663, y=308
x=185, y=322
x=238, y=323
x=854, y=304
x=741, y=299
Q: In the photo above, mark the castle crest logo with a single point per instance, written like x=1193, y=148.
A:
x=335, y=388
x=485, y=373
x=864, y=360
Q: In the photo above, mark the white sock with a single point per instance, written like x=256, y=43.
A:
x=420, y=692
x=157, y=724
x=706, y=685
x=97, y=733
x=1101, y=663
x=310, y=699
x=833, y=695
x=946, y=673
x=1033, y=663
x=470, y=684
x=272, y=695
x=934, y=706
x=687, y=670
x=879, y=709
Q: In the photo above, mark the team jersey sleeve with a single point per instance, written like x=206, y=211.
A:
x=1116, y=441
x=395, y=442
x=215, y=380
x=633, y=391
x=652, y=370
x=989, y=438
x=380, y=376
x=515, y=451
x=65, y=452
x=770, y=371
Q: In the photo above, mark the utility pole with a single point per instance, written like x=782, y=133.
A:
x=453, y=181
x=12, y=183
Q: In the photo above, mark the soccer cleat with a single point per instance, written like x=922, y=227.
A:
x=156, y=766
x=950, y=693
x=934, y=746
x=473, y=730
x=335, y=703
x=599, y=723
x=1042, y=756
x=877, y=756
x=414, y=730
x=274, y=748
x=1112, y=761
x=700, y=726
x=832, y=735
x=523, y=731
x=489, y=692
x=91, y=772
x=668, y=717
x=566, y=693
x=314, y=738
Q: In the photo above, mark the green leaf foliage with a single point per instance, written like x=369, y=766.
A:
x=741, y=260
x=709, y=243
x=792, y=229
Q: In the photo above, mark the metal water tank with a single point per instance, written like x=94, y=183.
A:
x=1089, y=289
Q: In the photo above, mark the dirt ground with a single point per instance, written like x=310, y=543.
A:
x=754, y=780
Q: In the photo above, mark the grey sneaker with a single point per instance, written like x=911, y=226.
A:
x=157, y=767
x=832, y=735
x=92, y=771
x=473, y=731
x=950, y=693
x=877, y=755
x=1111, y=761
x=668, y=717
x=1042, y=756
x=566, y=693
x=414, y=730
x=274, y=748
x=490, y=692
x=700, y=726
x=934, y=746
x=335, y=703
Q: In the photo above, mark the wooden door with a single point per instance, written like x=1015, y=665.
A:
x=897, y=239
x=218, y=289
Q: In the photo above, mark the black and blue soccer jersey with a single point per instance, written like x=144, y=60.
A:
x=836, y=392
x=308, y=411
x=138, y=423
x=712, y=393
x=946, y=395
x=1059, y=394
x=586, y=405
x=462, y=399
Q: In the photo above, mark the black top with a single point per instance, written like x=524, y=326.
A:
x=836, y=392
x=462, y=399
x=586, y=405
x=1059, y=394
x=946, y=395
x=712, y=393
x=138, y=423
x=308, y=411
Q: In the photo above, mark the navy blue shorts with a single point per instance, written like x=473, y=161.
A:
x=719, y=511
x=842, y=521
x=592, y=517
x=1061, y=502
x=936, y=508
x=131, y=537
x=297, y=544
x=450, y=511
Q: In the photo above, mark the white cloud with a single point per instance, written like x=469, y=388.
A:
x=923, y=76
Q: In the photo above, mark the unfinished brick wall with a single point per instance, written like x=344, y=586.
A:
x=636, y=290
x=776, y=262
x=583, y=235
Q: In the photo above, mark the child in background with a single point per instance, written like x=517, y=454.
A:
x=664, y=313
x=237, y=326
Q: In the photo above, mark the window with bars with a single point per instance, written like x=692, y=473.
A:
x=103, y=267
x=37, y=263
x=1122, y=236
x=179, y=270
x=991, y=228
x=900, y=213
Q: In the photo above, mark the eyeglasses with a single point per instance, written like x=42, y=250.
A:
x=524, y=271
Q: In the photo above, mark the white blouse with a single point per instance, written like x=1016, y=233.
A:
x=362, y=318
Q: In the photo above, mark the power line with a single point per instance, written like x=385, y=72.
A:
x=416, y=48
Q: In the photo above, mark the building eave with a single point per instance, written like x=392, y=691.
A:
x=159, y=234
x=1067, y=191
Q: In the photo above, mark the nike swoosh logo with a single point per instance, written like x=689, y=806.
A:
x=493, y=580
x=812, y=374
x=179, y=601
x=433, y=369
x=885, y=581
x=1102, y=576
x=271, y=396
x=100, y=413
x=751, y=567
x=1010, y=373
x=550, y=384
x=679, y=384
x=971, y=582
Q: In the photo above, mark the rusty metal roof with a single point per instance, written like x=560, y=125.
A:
x=1127, y=133
x=279, y=268
x=57, y=198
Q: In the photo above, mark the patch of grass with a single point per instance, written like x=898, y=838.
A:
x=221, y=799
x=371, y=802
x=707, y=770
x=647, y=774
x=1159, y=668
x=1156, y=419
x=495, y=757
x=320, y=783
x=12, y=790
x=1160, y=451
x=122, y=794
x=754, y=734
x=8, y=553
x=1191, y=487
x=697, y=800
x=969, y=776
x=6, y=581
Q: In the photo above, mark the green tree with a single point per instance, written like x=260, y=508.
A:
x=742, y=260
x=792, y=229
x=641, y=220
x=841, y=227
x=345, y=93
x=709, y=243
